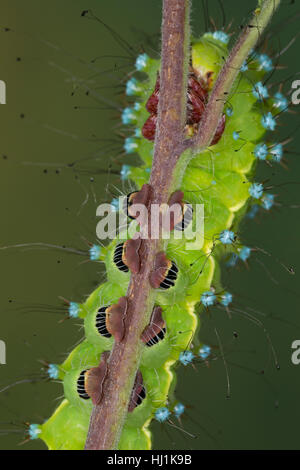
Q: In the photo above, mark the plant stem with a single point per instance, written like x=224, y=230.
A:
x=108, y=417
x=247, y=41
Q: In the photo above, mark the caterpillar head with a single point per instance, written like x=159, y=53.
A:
x=208, y=55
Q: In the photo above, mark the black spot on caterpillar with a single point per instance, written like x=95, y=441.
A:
x=101, y=322
x=138, y=392
x=81, y=388
x=156, y=330
x=119, y=258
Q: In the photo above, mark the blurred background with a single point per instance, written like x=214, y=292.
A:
x=60, y=150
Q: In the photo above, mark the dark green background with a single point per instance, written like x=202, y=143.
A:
x=54, y=44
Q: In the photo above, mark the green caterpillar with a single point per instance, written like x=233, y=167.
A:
x=221, y=179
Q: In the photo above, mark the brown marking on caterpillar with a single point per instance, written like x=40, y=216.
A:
x=149, y=128
x=161, y=266
x=195, y=107
x=176, y=215
x=155, y=326
x=197, y=85
x=219, y=131
x=152, y=103
x=128, y=203
x=115, y=322
x=138, y=392
x=196, y=101
x=94, y=379
x=141, y=197
x=131, y=255
x=176, y=198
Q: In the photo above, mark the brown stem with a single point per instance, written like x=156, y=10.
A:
x=108, y=417
x=246, y=41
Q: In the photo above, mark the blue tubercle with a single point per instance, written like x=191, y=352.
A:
x=132, y=87
x=244, y=67
x=256, y=190
x=260, y=91
x=95, y=252
x=267, y=201
x=115, y=204
x=261, y=151
x=226, y=299
x=229, y=112
x=33, y=431
x=162, y=414
x=53, y=371
x=244, y=253
x=276, y=151
x=268, y=121
x=280, y=101
x=138, y=133
x=265, y=62
x=128, y=116
x=208, y=298
x=204, y=351
x=227, y=237
x=125, y=172
x=178, y=410
x=130, y=145
x=186, y=357
x=74, y=309
x=141, y=62
x=221, y=36
x=235, y=135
